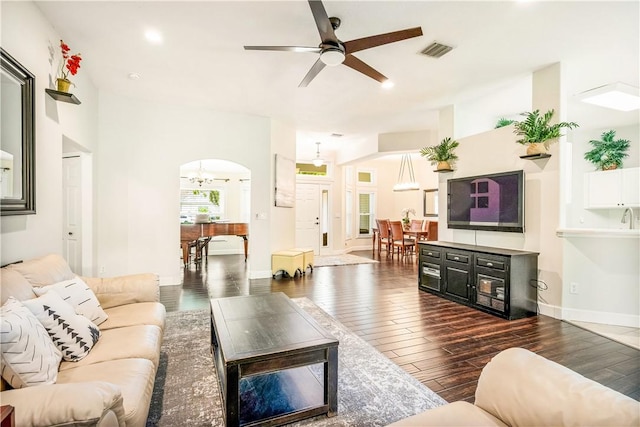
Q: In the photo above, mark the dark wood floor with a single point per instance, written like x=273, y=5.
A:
x=441, y=343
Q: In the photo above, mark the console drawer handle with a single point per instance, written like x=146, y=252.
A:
x=429, y=253
x=489, y=264
x=456, y=258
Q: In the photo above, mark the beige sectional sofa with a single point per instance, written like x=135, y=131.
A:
x=113, y=384
x=520, y=388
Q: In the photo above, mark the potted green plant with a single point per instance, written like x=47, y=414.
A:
x=607, y=154
x=442, y=154
x=502, y=122
x=537, y=133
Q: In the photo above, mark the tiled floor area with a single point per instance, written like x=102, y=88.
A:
x=623, y=334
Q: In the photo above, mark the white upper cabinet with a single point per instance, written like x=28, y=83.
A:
x=619, y=188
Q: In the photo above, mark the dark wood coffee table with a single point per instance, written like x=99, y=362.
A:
x=275, y=363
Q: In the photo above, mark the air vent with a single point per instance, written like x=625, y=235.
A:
x=436, y=50
x=336, y=135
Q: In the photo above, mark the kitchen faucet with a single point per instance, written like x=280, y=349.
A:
x=624, y=217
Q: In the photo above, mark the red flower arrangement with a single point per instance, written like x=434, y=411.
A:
x=70, y=63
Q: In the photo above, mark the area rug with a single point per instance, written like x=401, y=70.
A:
x=345, y=259
x=372, y=390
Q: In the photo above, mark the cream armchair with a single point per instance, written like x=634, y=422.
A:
x=520, y=388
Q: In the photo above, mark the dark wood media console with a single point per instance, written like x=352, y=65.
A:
x=499, y=281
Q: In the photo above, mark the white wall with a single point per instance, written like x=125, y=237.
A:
x=496, y=151
x=607, y=274
x=282, y=220
x=28, y=37
x=142, y=146
x=138, y=148
x=606, y=269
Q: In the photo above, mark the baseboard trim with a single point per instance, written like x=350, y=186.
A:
x=260, y=274
x=169, y=280
x=601, y=317
x=550, y=310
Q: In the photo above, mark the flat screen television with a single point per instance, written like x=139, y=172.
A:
x=493, y=202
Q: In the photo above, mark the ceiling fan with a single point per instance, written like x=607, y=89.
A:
x=335, y=52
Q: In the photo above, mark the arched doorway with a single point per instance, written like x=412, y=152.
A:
x=214, y=191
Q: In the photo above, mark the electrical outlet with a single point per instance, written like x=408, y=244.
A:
x=573, y=288
x=102, y=269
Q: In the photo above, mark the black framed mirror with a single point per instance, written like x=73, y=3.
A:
x=17, y=139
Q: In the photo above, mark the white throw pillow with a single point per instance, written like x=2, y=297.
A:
x=29, y=357
x=77, y=293
x=72, y=333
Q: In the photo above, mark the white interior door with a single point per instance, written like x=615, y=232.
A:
x=308, y=217
x=72, y=212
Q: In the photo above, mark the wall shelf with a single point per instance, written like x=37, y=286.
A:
x=443, y=170
x=63, y=96
x=536, y=156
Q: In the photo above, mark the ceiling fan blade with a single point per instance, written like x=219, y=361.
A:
x=285, y=48
x=322, y=21
x=353, y=62
x=373, y=41
x=313, y=72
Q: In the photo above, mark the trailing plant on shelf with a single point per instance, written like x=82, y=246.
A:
x=608, y=152
x=537, y=133
x=213, y=195
x=502, y=122
x=442, y=155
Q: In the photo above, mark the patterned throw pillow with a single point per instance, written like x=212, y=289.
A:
x=72, y=333
x=77, y=293
x=29, y=357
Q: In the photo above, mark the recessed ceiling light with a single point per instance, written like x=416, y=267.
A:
x=134, y=76
x=153, y=36
x=387, y=84
x=618, y=96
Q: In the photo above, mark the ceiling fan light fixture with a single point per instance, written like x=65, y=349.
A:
x=332, y=56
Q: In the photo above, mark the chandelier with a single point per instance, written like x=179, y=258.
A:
x=404, y=184
x=201, y=177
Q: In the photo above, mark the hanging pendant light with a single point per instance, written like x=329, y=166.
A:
x=404, y=184
x=317, y=162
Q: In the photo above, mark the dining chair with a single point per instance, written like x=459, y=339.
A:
x=416, y=225
x=383, y=235
x=399, y=241
x=432, y=228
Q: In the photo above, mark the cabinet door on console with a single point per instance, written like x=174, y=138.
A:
x=429, y=274
x=458, y=273
x=492, y=282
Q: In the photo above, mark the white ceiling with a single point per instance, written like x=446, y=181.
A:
x=202, y=63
